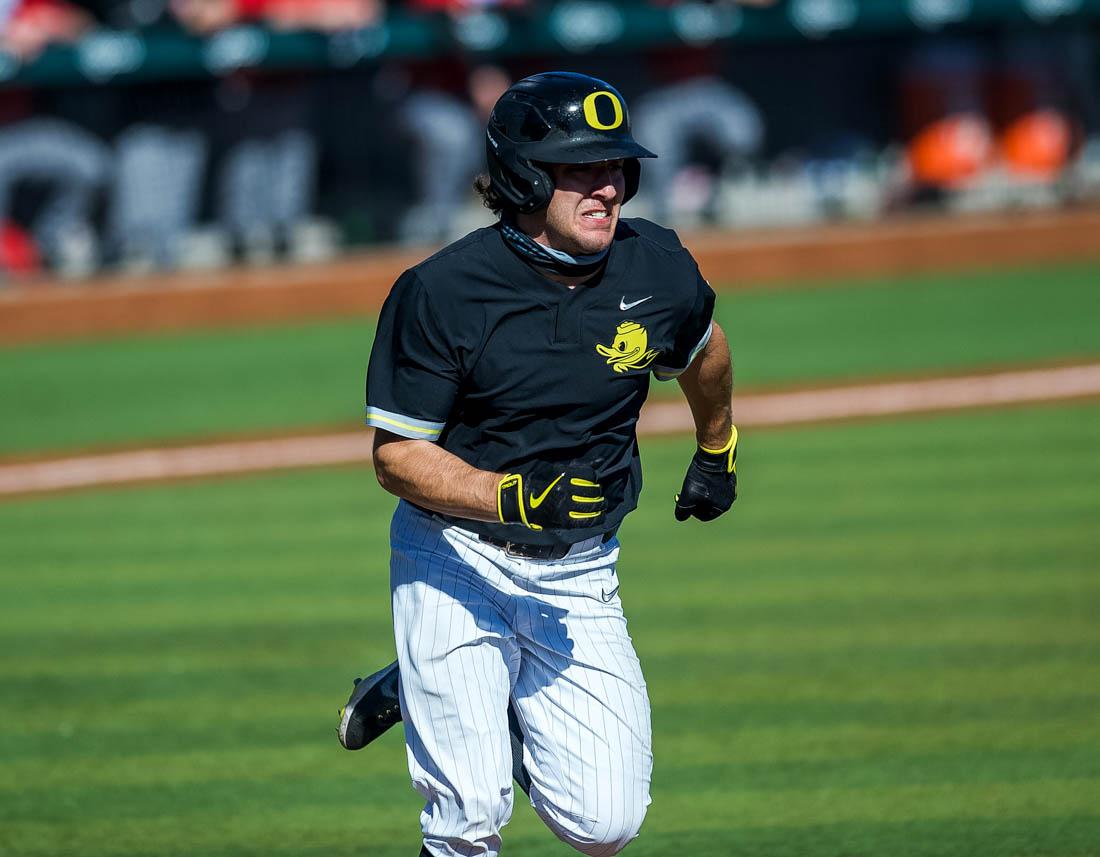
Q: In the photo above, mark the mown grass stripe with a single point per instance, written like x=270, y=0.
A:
x=195, y=650
x=853, y=662
x=235, y=783
x=747, y=731
x=1022, y=836
x=174, y=387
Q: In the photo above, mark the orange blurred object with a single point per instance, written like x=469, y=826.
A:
x=951, y=151
x=1038, y=143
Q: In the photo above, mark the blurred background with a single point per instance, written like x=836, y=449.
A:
x=148, y=134
x=889, y=648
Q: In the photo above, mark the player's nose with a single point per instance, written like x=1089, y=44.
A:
x=604, y=185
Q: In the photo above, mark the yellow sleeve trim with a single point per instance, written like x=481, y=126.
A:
x=399, y=424
x=405, y=426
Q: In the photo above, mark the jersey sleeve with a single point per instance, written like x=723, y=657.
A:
x=693, y=334
x=414, y=370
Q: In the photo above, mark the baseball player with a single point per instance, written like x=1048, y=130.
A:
x=504, y=385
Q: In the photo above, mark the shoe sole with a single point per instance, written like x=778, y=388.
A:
x=372, y=709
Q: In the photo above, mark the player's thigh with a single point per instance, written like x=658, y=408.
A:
x=582, y=702
x=458, y=658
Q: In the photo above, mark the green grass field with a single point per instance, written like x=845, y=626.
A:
x=889, y=649
x=166, y=388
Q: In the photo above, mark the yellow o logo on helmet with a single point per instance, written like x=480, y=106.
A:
x=593, y=118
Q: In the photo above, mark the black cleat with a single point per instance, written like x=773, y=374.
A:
x=372, y=709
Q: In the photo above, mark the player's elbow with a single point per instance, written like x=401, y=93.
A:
x=388, y=464
x=403, y=466
x=385, y=478
x=389, y=476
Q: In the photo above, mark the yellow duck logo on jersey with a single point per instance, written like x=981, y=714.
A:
x=629, y=350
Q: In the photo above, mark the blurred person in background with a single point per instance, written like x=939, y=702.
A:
x=445, y=129
x=62, y=170
x=695, y=119
x=52, y=165
x=462, y=7
x=247, y=134
x=267, y=154
x=209, y=16
x=1043, y=101
x=28, y=26
x=1015, y=108
x=944, y=118
x=702, y=125
x=759, y=4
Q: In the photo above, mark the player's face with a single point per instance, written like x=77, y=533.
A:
x=584, y=209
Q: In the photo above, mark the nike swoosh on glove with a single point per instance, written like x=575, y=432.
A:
x=710, y=486
x=560, y=498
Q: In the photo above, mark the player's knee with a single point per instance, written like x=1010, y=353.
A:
x=604, y=837
x=599, y=834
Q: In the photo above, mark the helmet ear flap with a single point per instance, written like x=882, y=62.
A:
x=542, y=186
x=524, y=184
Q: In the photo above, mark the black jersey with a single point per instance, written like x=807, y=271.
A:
x=503, y=367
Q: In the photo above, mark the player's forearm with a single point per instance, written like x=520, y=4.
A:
x=708, y=386
x=429, y=476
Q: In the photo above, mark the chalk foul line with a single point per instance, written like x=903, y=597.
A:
x=752, y=410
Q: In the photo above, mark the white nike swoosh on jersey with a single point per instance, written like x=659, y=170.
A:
x=624, y=305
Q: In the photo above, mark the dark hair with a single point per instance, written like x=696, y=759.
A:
x=492, y=200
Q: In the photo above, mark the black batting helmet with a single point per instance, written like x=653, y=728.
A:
x=556, y=118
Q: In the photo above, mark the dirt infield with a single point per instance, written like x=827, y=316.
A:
x=357, y=284
x=764, y=409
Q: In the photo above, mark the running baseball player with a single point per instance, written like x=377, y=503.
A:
x=504, y=385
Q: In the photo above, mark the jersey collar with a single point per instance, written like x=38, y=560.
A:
x=541, y=256
x=517, y=269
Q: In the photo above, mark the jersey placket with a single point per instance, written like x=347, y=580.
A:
x=568, y=318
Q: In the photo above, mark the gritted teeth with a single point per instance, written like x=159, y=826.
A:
x=598, y=214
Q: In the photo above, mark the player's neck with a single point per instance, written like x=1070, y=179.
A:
x=558, y=265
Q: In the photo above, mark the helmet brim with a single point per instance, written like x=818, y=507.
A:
x=582, y=153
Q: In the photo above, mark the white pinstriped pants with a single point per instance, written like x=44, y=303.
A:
x=475, y=626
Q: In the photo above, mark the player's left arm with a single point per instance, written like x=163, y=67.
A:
x=708, y=386
x=710, y=486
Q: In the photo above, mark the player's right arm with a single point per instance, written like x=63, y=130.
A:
x=417, y=364
x=560, y=497
x=426, y=474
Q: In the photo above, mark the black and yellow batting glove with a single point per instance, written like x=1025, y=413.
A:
x=563, y=498
x=710, y=486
